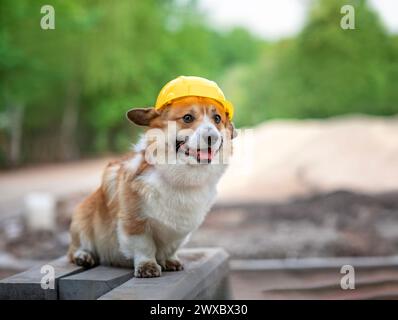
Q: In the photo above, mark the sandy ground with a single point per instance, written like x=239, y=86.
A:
x=272, y=162
x=60, y=180
x=284, y=159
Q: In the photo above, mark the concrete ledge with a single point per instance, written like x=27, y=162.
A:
x=204, y=277
x=92, y=283
x=27, y=285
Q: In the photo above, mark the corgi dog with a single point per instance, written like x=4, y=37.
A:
x=148, y=204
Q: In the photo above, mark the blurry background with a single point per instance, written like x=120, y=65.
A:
x=321, y=176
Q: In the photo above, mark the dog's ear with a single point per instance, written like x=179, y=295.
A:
x=142, y=116
x=232, y=129
x=230, y=126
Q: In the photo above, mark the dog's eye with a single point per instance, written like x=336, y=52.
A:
x=217, y=118
x=188, y=118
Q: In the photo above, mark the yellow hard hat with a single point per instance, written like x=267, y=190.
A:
x=184, y=86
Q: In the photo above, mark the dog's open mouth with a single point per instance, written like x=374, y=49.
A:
x=201, y=155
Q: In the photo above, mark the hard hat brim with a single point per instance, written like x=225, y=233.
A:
x=228, y=106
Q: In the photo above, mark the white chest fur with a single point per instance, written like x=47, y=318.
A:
x=181, y=209
x=175, y=199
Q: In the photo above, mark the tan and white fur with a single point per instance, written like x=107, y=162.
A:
x=144, y=210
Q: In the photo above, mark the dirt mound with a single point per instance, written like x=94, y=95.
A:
x=282, y=159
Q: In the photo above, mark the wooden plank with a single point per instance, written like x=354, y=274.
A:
x=27, y=285
x=204, y=277
x=312, y=263
x=370, y=283
x=92, y=283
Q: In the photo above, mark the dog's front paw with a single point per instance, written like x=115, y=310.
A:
x=84, y=259
x=172, y=265
x=147, y=269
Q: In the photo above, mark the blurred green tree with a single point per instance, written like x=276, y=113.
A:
x=325, y=70
x=64, y=92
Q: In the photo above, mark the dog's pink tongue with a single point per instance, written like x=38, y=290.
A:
x=205, y=155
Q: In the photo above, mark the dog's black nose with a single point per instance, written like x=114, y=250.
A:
x=210, y=137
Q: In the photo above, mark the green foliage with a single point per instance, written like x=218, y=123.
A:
x=76, y=82
x=326, y=70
